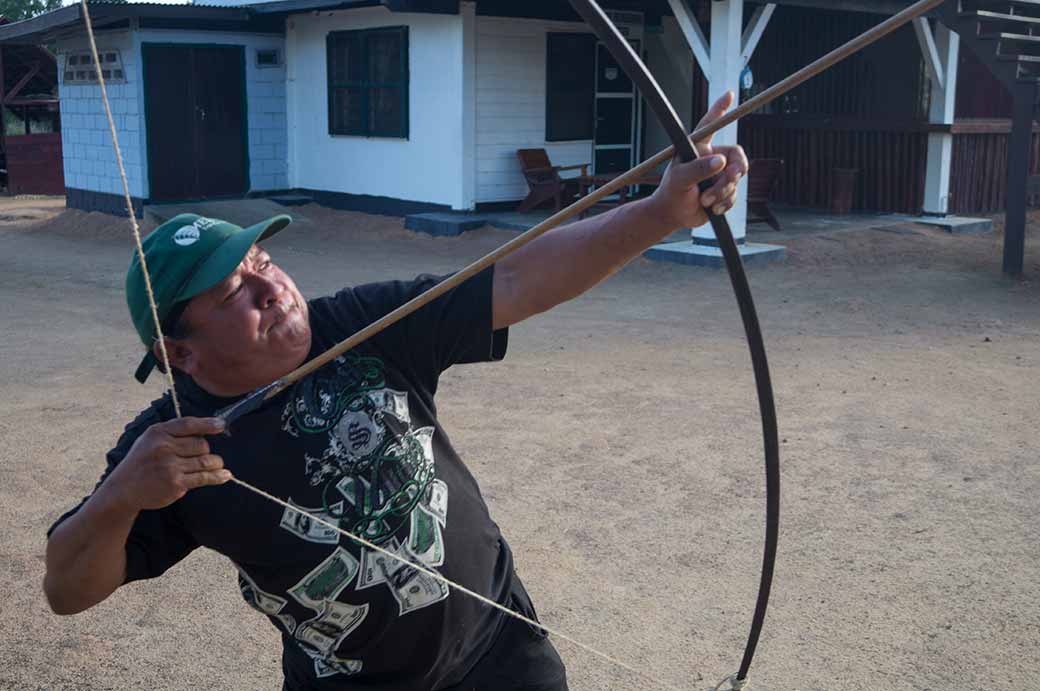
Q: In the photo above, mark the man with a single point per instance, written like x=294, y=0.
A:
x=356, y=443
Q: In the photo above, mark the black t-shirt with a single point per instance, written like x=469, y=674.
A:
x=358, y=443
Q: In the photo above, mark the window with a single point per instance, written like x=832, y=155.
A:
x=368, y=82
x=79, y=68
x=35, y=119
x=268, y=58
x=570, y=102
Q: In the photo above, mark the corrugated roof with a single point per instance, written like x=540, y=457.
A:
x=46, y=26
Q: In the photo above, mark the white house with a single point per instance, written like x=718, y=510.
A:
x=387, y=106
x=390, y=106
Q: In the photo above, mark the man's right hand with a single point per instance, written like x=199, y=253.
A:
x=167, y=461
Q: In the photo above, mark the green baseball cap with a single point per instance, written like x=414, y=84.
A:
x=187, y=255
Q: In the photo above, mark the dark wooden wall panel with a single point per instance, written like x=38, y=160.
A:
x=34, y=164
x=891, y=164
x=978, y=183
x=886, y=80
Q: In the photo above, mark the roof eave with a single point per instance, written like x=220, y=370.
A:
x=43, y=27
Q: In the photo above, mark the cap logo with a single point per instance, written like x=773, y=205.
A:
x=187, y=235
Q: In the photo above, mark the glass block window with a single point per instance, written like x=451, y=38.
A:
x=79, y=68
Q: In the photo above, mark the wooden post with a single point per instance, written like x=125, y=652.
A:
x=727, y=62
x=1019, y=149
x=3, y=122
x=941, y=52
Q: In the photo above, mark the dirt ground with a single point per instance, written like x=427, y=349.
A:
x=618, y=446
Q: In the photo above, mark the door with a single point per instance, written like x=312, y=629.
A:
x=195, y=119
x=614, y=145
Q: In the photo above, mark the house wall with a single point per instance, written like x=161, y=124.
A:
x=426, y=168
x=89, y=159
x=510, y=104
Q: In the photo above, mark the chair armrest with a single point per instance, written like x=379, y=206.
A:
x=584, y=168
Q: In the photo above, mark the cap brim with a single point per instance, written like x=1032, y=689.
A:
x=229, y=255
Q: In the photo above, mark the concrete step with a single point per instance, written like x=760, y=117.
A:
x=690, y=254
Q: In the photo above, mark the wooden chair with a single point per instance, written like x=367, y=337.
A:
x=763, y=176
x=544, y=181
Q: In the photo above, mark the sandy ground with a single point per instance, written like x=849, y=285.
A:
x=618, y=446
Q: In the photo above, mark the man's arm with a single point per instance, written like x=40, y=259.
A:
x=569, y=260
x=86, y=554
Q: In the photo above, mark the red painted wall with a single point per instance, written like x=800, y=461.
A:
x=34, y=164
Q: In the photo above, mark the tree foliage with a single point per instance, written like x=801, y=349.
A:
x=14, y=10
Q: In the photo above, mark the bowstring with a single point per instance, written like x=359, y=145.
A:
x=256, y=490
x=168, y=371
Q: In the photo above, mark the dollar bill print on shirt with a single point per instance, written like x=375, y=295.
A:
x=288, y=622
x=414, y=590
x=375, y=474
x=328, y=665
x=327, y=580
x=326, y=631
x=267, y=603
x=301, y=523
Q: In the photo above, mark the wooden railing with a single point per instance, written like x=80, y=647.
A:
x=978, y=183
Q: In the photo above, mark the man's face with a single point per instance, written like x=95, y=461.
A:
x=246, y=331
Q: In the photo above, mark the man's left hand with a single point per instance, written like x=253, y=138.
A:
x=679, y=201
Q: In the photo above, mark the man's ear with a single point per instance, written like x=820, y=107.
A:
x=180, y=353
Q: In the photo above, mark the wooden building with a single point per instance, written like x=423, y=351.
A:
x=871, y=114
x=31, y=136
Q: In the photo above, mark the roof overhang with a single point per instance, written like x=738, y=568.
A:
x=294, y=6
x=261, y=17
x=54, y=24
x=887, y=7
x=264, y=17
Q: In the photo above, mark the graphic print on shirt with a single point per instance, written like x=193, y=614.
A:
x=300, y=523
x=327, y=580
x=269, y=604
x=374, y=473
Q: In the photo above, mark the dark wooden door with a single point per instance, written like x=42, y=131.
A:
x=195, y=115
x=614, y=139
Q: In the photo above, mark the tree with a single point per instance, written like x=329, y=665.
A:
x=14, y=10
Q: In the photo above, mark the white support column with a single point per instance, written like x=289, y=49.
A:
x=691, y=30
x=468, y=14
x=756, y=27
x=941, y=51
x=726, y=65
